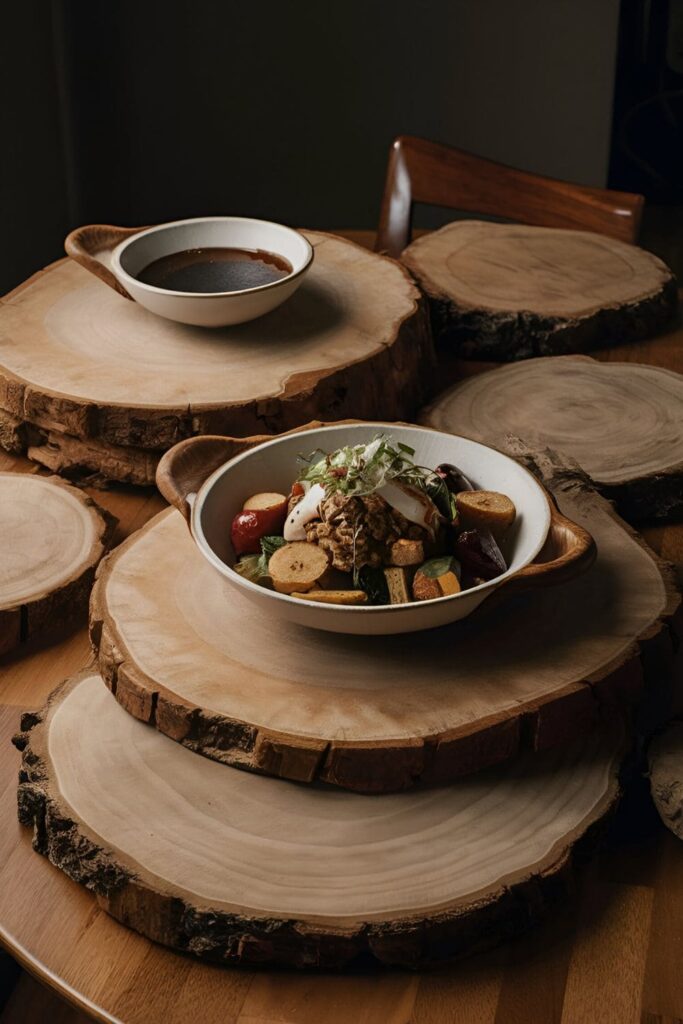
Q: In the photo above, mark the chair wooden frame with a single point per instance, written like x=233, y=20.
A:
x=428, y=172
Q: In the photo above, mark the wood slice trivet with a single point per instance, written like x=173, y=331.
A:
x=52, y=537
x=623, y=422
x=665, y=757
x=510, y=291
x=184, y=651
x=236, y=868
x=78, y=359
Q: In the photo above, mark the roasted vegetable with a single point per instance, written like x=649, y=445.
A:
x=297, y=567
x=457, y=483
x=246, y=532
x=373, y=582
x=454, y=479
x=271, y=509
x=479, y=554
x=343, y=597
x=487, y=510
x=439, y=577
x=367, y=516
x=255, y=567
x=406, y=552
x=397, y=584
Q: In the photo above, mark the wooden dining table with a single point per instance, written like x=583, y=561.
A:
x=613, y=955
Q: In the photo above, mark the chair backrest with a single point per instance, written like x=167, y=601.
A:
x=427, y=172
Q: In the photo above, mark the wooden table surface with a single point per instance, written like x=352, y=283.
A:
x=612, y=957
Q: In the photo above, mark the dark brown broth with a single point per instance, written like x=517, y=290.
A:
x=215, y=270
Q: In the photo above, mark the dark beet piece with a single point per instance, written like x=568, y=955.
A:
x=454, y=480
x=478, y=556
x=374, y=583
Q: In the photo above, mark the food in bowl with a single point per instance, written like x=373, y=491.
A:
x=208, y=484
x=208, y=271
x=365, y=524
x=215, y=269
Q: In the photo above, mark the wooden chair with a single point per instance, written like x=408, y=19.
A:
x=427, y=172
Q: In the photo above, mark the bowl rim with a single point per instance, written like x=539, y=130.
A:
x=227, y=570
x=128, y=279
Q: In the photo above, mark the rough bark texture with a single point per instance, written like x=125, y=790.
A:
x=175, y=917
x=622, y=422
x=375, y=735
x=91, y=462
x=359, y=358
x=505, y=292
x=44, y=589
x=665, y=756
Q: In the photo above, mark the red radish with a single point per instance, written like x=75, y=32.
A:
x=246, y=532
x=271, y=510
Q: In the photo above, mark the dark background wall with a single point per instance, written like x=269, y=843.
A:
x=33, y=187
x=135, y=112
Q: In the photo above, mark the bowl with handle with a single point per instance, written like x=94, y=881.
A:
x=209, y=478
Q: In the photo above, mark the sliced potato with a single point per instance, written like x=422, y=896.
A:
x=397, y=582
x=297, y=567
x=334, y=596
x=264, y=500
x=485, y=509
x=407, y=552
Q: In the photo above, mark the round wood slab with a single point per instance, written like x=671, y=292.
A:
x=623, y=422
x=237, y=868
x=510, y=291
x=184, y=651
x=78, y=359
x=52, y=537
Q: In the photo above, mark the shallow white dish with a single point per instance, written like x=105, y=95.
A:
x=209, y=491
x=135, y=248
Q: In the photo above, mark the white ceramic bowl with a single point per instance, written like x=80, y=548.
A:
x=210, y=497
x=136, y=249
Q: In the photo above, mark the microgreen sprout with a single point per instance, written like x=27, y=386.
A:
x=360, y=470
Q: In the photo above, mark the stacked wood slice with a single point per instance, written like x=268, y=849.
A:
x=91, y=384
x=182, y=650
x=52, y=537
x=623, y=422
x=256, y=867
x=241, y=869
x=511, y=291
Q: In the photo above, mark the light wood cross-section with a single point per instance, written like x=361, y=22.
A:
x=181, y=649
x=510, y=291
x=52, y=537
x=623, y=422
x=90, y=379
x=237, y=868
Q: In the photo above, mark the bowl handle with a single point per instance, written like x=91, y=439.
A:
x=568, y=551
x=183, y=469
x=84, y=243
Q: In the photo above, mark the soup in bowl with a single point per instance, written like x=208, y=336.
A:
x=207, y=271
